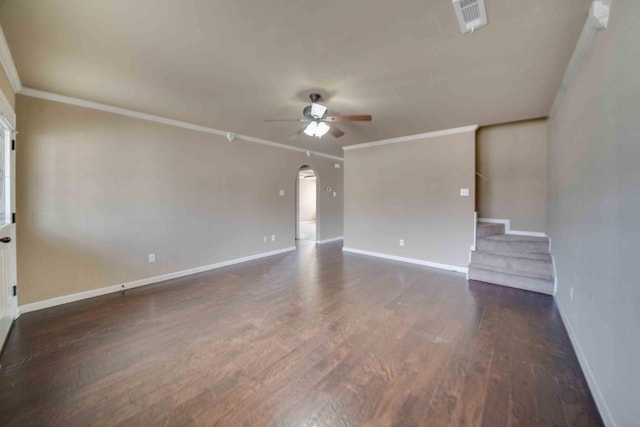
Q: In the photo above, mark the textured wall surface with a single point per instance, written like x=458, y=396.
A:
x=98, y=192
x=514, y=159
x=594, y=212
x=411, y=191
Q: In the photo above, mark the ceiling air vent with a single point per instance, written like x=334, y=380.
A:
x=471, y=14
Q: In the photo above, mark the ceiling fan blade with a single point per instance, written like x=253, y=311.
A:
x=335, y=132
x=295, y=135
x=357, y=118
x=286, y=120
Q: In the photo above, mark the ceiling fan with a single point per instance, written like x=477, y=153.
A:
x=318, y=122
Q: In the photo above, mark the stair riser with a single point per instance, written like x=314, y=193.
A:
x=527, y=255
x=485, y=229
x=519, y=282
x=511, y=246
x=511, y=264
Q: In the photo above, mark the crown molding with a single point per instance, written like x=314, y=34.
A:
x=8, y=65
x=409, y=138
x=49, y=96
x=7, y=112
x=12, y=74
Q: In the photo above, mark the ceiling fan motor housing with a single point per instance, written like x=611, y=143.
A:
x=307, y=113
x=315, y=97
x=315, y=111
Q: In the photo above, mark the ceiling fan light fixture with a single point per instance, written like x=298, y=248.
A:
x=311, y=129
x=317, y=129
x=322, y=129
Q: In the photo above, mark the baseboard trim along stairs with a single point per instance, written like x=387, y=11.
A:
x=514, y=260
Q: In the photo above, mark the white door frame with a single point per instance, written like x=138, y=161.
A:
x=297, y=201
x=8, y=301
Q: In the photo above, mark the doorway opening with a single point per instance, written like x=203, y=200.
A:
x=306, y=204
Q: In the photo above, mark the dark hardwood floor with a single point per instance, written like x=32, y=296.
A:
x=313, y=338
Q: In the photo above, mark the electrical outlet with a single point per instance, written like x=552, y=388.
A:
x=401, y=242
x=571, y=294
x=335, y=194
x=464, y=192
x=337, y=165
x=273, y=237
x=281, y=193
x=152, y=258
x=265, y=239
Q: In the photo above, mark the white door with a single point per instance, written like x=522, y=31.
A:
x=8, y=301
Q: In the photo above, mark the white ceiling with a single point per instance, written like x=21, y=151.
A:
x=228, y=64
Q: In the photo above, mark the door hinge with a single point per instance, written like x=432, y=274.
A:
x=13, y=218
x=15, y=291
x=13, y=145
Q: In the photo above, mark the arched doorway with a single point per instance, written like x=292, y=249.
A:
x=306, y=204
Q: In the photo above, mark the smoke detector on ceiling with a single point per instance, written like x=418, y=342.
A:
x=471, y=14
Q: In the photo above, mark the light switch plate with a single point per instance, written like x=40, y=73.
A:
x=281, y=193
x=335, y=194
x=464, y=192
x=401, y=242
x=273, y=237
x=152, y=258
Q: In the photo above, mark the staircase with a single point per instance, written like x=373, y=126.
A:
x=516, y=261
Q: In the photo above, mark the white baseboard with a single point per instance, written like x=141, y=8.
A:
x=508, y=230
x=39, y=305
x=584, y=364
x=409, y=260
x=334, y=239
x=475, y=232
x=555, y=274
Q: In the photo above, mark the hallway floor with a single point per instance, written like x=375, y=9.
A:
x=308, y=230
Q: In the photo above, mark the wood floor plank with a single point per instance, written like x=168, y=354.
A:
x=523, y=394
x=313, y=337
x=471, y=404
x=496, y=409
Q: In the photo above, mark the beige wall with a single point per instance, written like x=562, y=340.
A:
x=514, y=159
x=97, y=192
x=411, y=191
x=7, y=90
x=307, y=199
x=594, y=212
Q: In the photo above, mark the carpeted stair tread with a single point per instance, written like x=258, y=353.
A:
x=523, y=255
x=511, y=264
x=513, y=243
x=512, y=260
x=541, y=274
x=526, y=283
x=516, y=238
